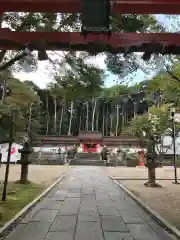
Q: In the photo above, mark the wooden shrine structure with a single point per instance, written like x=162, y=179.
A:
x=88, y=138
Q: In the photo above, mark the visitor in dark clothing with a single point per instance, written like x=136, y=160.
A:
x=104, y=155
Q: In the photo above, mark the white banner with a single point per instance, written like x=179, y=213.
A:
x=15, y=155
x=177, y=117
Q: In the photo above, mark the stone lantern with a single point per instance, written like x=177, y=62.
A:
x=25, y=151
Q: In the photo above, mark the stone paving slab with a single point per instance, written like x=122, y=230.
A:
x=16, y=232
x=64, y=224
x=142, y=232
x=113, y=224
x=33, y=230
x=88, y=218
x=131, y=216
x=117, y=236
x=29, y=217
x=87, y=205
x=89, y=231
x=50, y=204
x=73, y=195
x=59, y=236
x=60, y=195
x=45, y=215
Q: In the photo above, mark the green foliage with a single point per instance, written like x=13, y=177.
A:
x=124, y=64
x=155, y=123
x=20, y=99
x=80, y=79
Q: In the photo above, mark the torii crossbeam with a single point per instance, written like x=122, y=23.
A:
x=74, y=6
x=167, y=43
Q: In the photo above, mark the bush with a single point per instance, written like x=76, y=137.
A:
x=132, y=160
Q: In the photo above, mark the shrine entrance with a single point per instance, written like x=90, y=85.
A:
x=90, y=147
x=90, y=142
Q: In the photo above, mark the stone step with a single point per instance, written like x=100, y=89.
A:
x=89, y=155
x=87, y=162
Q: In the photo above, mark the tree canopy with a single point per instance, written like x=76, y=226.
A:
x=77, y=99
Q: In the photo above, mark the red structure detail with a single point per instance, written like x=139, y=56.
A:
x=86, y=149
x=72, y=6
x=13, y=150
x=141, y=158
x=66, y=40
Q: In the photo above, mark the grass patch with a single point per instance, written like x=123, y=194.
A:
x=18, y=196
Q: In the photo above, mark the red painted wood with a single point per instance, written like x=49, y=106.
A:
x=69, y=6
x=86, y=149
x=66, y=40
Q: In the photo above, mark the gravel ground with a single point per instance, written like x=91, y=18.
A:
x=165, y=200
x=140, y=172
x=45, y=175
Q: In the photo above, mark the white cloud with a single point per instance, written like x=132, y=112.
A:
x=43, y=75
x=98, y=61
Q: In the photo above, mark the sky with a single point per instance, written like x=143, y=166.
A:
x=43, y=75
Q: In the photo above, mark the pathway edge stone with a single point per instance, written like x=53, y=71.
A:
x=142, y=179
x=159, y=219
x=10, y=224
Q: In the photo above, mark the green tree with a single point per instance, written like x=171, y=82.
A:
x=22, y=97
x=76, y=81
x=125, y=64
x=150, y=128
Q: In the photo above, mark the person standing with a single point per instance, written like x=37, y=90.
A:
x=104, y=155
x=59, y=156
x=74, y=152
x=65, y=155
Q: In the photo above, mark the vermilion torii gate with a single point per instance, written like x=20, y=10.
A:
x=75, y=6
x=165, y=43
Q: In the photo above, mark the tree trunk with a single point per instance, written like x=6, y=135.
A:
x=152, y=178
x=117, y=119
x=30, y=117
x=47, y=115
x=135, y=109
x=61, y=119
x=151, y=165
x=24, y=174
x=93, y=114
x=107, y=120
x=87, y=116
x=55, y=114
x=70, y=120
x=103, y=122
x=97, y=120
x=122, y=116
x=111, y=124
x=80, y=121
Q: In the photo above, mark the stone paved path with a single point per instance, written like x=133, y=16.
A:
x=87, y=205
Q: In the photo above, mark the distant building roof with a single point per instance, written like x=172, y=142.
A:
x=90, y=135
